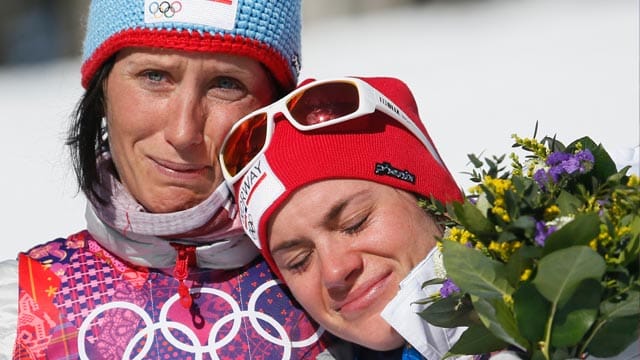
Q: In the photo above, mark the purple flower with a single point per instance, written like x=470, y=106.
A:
x=542, y=232
x=448, y=288
x=556, y=172
x=562, y=163
x=571, y=165
x=585, y=156
x=541, y=178
x=557, y=157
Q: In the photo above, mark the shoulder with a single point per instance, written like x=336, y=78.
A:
x=70, y=242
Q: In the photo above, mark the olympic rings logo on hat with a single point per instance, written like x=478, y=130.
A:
x=164, y=8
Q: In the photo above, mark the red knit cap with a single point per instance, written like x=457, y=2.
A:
x=374, y=147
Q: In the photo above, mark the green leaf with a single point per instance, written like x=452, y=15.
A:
x=526, y=225
x=436, y=281
x=560, y=272
x=562, y=354
x=518, y=262
x=574, y=319
x=614, y=337
x=627, y=307
x=568, y=203
x=530, y=252
x=474, y=160
x=473, y=272
x=538, y=355
x=450, y=312
x=631, y=251
x=473, y=220
x=500, y=320
x=476, y=340
x=532, y=311
x=580, y=231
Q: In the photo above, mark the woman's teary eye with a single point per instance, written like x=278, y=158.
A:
x=227, y=88
x=355, y=225
x=154, y=75
x=299, y=262
x=226, y=82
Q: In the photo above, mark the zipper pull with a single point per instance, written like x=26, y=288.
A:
x=186, y=258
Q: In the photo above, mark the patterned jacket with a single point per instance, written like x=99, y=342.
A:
x=77, y=301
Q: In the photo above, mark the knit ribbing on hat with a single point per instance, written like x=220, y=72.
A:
x=266, y=30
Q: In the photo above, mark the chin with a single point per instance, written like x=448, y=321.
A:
x=174, y=201
x=380, y=338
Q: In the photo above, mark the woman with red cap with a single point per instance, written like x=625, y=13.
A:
x=327, y=182
x=163, y=269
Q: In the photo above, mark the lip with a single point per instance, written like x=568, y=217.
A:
x=180, y=170
x=363, y=296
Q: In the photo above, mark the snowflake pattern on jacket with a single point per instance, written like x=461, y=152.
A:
x=77, y=301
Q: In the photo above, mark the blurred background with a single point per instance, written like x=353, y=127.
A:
x=480, y=70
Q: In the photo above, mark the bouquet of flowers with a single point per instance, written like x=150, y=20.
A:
x=542, y=258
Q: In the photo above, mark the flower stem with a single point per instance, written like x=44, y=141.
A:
x=547, y=335
x=594, y=330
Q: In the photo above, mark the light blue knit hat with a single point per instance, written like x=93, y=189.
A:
x=266, y=30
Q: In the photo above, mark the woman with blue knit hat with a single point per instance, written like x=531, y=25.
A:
x=328, y=182
x=163, y=269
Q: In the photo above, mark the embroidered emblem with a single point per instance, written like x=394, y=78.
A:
x=385, y=169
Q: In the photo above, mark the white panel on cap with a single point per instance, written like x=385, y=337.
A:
x=259, y=189
x=215, y=13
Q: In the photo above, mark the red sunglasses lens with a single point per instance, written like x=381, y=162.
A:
x=324, y=102
x=244, y=143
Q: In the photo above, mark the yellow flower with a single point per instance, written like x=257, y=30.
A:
x=515, y=164
x=476, y=189
x=551, y=212
x=459, y=235
x=507, y=299
x=504, y=250
x=526, y=274
x=501, y=213
x=533, y=144
x=622, y=231
x=499, y=186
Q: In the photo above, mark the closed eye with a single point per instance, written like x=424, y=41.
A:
x=300, y=262
x=356, y=227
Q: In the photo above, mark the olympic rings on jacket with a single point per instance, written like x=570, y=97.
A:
x=164, y=8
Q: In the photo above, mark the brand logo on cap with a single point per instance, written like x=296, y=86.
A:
x=215, y=13
x=385, y=169
x=259, y=189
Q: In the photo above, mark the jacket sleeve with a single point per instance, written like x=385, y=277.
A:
x=8, y=307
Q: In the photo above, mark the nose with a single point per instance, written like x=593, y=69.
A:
x=186, y=120
x=341, y=266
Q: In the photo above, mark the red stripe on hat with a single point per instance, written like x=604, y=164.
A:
x=255, y=186
x=186, y=41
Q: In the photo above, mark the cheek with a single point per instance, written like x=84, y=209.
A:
x=307, y=292
x=125, y=123
x=405, y=237
x=125, y=128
